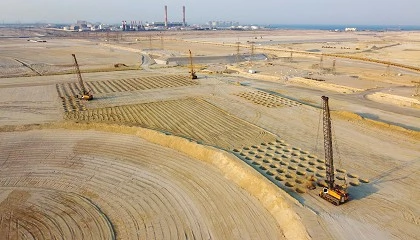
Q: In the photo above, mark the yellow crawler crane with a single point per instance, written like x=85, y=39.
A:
x=334, y=193
x=85, y=95
x=193, y=75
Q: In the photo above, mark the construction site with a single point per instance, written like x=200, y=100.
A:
x=271, y=134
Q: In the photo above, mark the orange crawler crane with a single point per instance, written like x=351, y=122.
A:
x=85, y=95
x=334, y=193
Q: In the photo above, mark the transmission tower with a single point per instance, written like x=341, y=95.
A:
x=237, y=52
x=321, y=63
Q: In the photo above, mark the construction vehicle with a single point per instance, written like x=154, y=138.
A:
x=193, y=75
x=334, y=193
x=85, y=94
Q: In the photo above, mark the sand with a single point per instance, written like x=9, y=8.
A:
x=147, y=193
x=157, y=155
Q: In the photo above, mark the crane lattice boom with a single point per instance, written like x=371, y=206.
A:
x=85, y=94
x=328, y=142
x=79, y=75
x=335, y=194
x=193, y=76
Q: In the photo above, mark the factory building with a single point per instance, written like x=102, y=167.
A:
x=222, y=24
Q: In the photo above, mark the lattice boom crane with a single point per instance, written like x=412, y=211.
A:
x=333, y=193
x=86, y=95
x=193, y=75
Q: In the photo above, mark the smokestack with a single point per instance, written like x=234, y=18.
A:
x=124, y=25
x=183, y=16
x=166, y=16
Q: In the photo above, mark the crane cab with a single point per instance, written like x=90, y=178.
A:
x=86, y=97
x=336, y=195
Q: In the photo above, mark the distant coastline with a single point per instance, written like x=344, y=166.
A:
x=323, y=27
x=341, y=27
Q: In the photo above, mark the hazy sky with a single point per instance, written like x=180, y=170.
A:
x=370, y=12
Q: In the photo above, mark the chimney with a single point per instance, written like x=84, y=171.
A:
x=166, y=16
x=183, y=16
x=123, y=25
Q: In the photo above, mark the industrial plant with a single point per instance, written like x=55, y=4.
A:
x=164, y=24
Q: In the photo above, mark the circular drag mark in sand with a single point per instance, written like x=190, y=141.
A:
x=51, y=214
x=62, y=184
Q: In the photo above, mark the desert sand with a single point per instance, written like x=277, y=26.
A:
x=230, y=155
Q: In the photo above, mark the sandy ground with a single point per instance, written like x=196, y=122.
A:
x=79, y=186
x=228, y=156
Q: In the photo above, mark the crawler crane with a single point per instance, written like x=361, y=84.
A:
x=85, y=95
x=333, y=193
x=193, y=76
